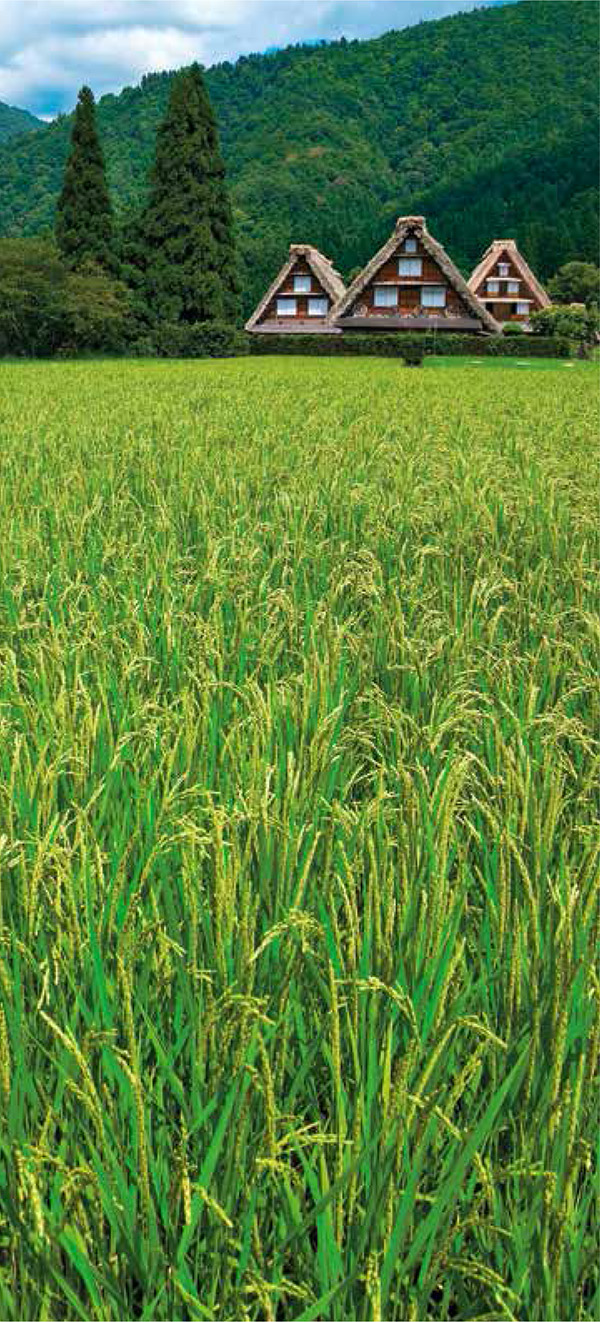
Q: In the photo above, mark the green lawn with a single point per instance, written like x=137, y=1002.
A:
x=498, y=364
x=299, y=1001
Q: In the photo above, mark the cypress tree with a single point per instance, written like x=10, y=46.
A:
x=84, y=228
x=186, y=229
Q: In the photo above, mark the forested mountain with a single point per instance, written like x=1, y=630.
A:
x=14, y=122
x=485, y=122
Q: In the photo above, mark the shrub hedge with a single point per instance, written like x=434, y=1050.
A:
x=199, y=339
x=397, y=346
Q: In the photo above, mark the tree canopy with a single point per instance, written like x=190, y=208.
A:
x=46, y=307
x=576, y=282
x=84, y=227
x=186, y=247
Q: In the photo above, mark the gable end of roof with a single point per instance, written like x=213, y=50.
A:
x=416, y=225
x=322, y=268
x=489, y=259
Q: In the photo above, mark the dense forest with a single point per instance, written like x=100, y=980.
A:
x=485, y=122
x=14, y=122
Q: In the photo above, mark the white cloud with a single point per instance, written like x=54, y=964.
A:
x=48, y=48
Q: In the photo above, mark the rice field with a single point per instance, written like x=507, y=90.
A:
x=299, y=992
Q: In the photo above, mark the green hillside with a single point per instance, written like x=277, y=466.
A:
x=485, y=122
x=14, y=122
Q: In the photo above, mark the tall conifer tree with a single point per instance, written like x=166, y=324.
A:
x=186, y=229
x=84, y=226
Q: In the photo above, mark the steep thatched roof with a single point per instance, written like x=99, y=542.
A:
x=322, y=268
x=493, y=255
x=415, y=225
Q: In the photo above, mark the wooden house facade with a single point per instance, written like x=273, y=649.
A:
x=506, y=285
x=411, y=284
x=302, y=296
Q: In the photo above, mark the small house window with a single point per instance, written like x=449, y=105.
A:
x=410, y=266
x=287, y=307
x=317, y=307
x=302, y=284
x=433, y=297
x=512, y=287
x=493, y=286
x=386, y=296
x=503, y=269
x=410, y=245
x=523, y=309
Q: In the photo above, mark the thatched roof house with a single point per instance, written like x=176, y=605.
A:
x=411, y=284
x=506, y=284
x=301, y=296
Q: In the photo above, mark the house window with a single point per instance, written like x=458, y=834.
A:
x=287, y=307
x=523, y=309
x=410, y=266
x=302, y=284
x=512, y=287
x=317, y=307
x=493, y=286
x=503, y=269
x=386, y=296
x=433, y=296
x=409, y=245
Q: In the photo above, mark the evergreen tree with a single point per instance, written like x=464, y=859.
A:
x=84, y=229
x=186, y=239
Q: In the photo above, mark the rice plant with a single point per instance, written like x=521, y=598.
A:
x=299, y=993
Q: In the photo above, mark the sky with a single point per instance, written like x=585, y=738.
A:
x=49, y=48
